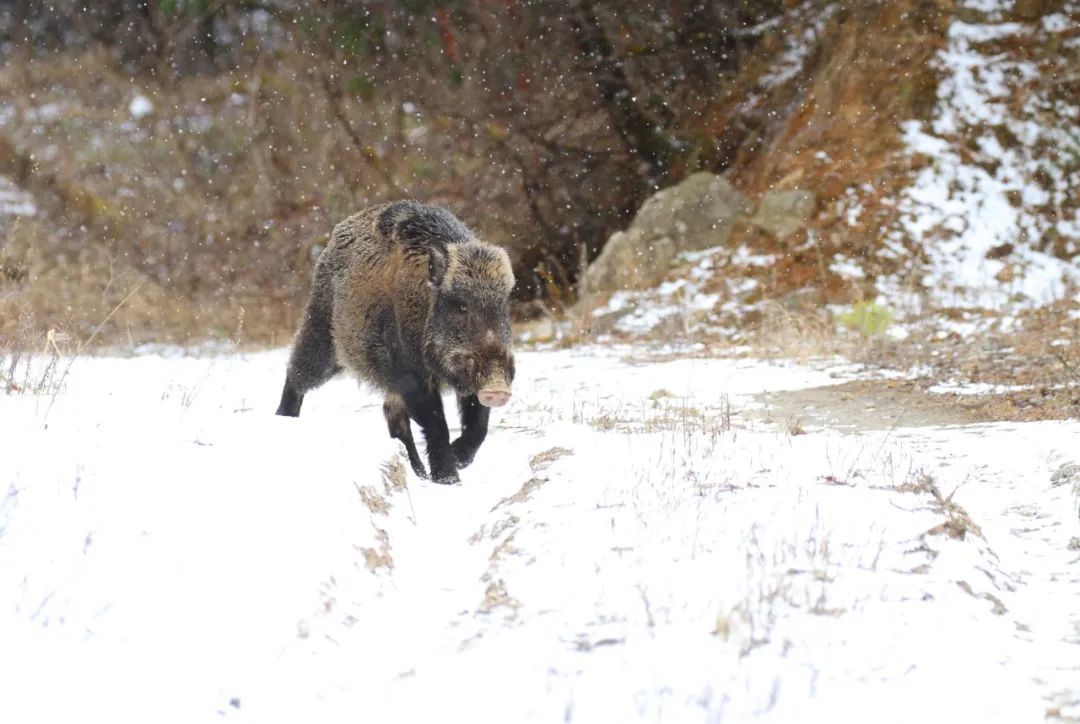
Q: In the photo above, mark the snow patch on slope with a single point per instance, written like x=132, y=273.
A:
x=994, y=209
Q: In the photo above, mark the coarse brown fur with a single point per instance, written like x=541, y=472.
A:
x=407, y=298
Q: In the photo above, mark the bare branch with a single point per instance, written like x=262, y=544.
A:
x=333, y=98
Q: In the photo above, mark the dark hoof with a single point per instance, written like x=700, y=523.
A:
x=450, y=478
x=463, y=457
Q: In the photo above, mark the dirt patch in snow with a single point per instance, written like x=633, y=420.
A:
x=884, y=404
x=864, y=405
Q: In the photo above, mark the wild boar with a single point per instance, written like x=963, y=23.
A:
x=407, y=298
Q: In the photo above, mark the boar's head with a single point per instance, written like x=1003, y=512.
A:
x=467, y=339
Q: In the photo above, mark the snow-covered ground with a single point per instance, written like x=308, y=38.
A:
x=631, y=543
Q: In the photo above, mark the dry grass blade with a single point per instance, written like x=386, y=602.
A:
x=82, y=346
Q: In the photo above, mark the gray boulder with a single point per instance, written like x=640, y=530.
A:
x=696, y=214
x=782, y=213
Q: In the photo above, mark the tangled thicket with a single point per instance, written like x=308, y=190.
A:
x=544, y=123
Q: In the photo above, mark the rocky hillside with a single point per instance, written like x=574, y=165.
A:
x=919, y=199
x=893, y=166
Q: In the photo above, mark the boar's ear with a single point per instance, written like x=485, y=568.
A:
x=436, y=265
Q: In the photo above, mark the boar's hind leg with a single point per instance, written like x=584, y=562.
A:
x=312, y=360
x=474, y=425
x=425, y=406
x=397, y=420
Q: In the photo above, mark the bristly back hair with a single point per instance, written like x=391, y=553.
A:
x=420, y=226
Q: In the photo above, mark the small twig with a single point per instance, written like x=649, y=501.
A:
x=1064, y=362
x=408, y=495
x=82, y=346
x=529, y=184
x=648, y=606
x=183, y=33
x=557, y=147
x=333, y=99
x=105, y=321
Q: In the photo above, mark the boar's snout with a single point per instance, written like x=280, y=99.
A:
x=495, y=371
x=493, y=398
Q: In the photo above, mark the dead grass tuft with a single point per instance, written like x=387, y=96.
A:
x=379, y=557
x=544, y=459
x=496, y=595
x=375, y=502
x=393, y=474
x=29, y=360
x=957, y=524
x=998, y=608
x=793, y=575
x=794, y=426
x=793, y=332
x=524, y=492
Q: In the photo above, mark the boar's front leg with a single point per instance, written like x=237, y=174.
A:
x=474, y=426
x=424, y=405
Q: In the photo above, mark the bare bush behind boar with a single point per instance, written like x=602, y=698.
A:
x=407, y=298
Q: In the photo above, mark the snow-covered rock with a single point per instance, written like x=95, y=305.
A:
x=698, y=213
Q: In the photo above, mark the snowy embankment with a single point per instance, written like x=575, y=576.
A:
x=633, y=542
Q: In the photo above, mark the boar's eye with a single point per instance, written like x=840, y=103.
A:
x=456, y=305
